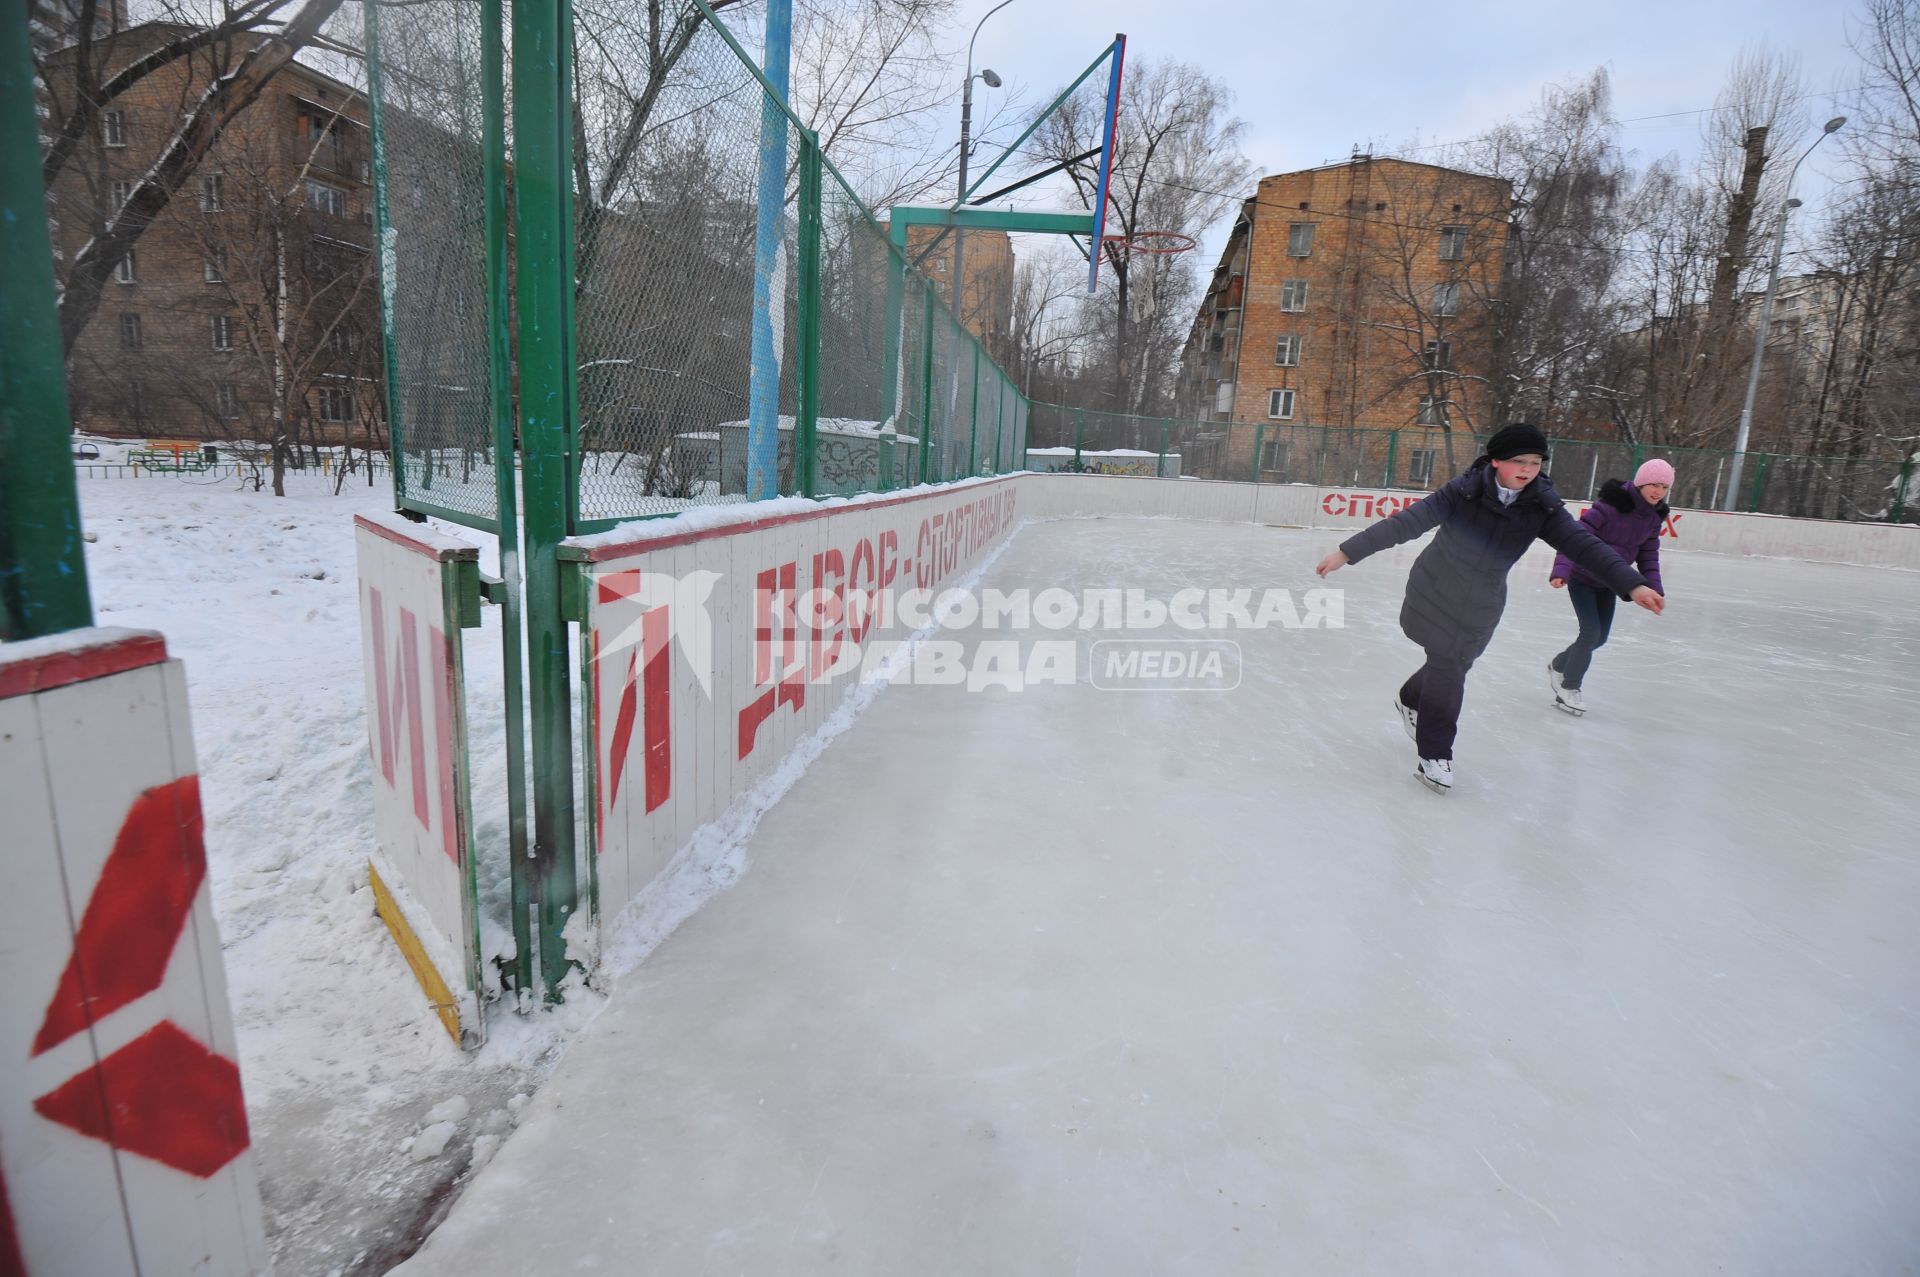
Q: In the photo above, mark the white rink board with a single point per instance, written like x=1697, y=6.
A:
x=1305, y=506
x=670, y=755
x=116, y=992
x=417, y=739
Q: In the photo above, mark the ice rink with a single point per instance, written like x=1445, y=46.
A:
x=1082, y=981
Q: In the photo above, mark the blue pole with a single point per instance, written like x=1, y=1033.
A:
x=769, y=265
x=1106, y=163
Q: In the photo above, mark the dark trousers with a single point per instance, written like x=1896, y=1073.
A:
x=1595, y=610
x=1435, y=692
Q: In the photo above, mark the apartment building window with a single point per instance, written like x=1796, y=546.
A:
x=214, y=268
x=1280, y=405
x=137, y=398
x=1300, y=239
x=1286, y=352
x=1433, y=410
x=1420, y=466
x=1223, y=398
x=1446, y=300
x=222, y=331
x=340, y=341
x=336, y=403
x=1453, y=243
x=226, y=400
x=210, y=193
x=326, y=199
x=130, y=336
x=1439, y=355
x=1293, y=295
x=1274, y=454
x=123, y=269
x=120, y=192
x=113, y=128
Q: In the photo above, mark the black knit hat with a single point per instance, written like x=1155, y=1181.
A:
x=1511, y=441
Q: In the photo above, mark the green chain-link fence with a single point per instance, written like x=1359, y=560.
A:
x=430, y=173
x=1425, y=457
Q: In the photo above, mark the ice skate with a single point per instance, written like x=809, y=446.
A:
x=1436, y=774
x=1566, y=699
x=1408, y=717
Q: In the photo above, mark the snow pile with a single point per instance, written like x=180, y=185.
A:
x=342, y=1061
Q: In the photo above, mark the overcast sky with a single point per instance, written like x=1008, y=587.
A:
x=1312, y=80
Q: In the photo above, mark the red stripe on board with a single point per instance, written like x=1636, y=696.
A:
x=163, y=1096
x=658, y=739
x=763, y=614
x=24, y=676
x=641, y=545
x=602, y=800
x=416, y=722
x=12, y=1262
x=384, y=713
x=622, y=731
x=619, y=585
x=434, y=552
x=443, y=692
x=134, y=914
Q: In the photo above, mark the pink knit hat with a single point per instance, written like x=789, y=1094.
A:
x=1654, y=471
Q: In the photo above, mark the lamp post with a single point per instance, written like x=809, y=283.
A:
x=966, y=148
x=1732, y=498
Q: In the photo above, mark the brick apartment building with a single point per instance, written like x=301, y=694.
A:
x=1357, y=296
x=987, y=311
x=257, y=274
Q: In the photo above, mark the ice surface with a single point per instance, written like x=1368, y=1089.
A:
x=1074, y=980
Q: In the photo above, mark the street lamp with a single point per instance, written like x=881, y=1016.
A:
x=966, y=146
x=1732, y=499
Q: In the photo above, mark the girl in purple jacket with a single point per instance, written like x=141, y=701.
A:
x=1628, y=517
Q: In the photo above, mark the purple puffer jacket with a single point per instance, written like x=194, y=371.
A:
x=1622, y=518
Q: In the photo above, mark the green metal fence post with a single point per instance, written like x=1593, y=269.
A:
x=43, y=566
x=926, y=383
x=1160, y=466
x=506, y=478
x=893, y=334
x=973, y=421
x=376, y=112
x=1079, y=433
x=543, y=208
x=807, y=331
x=1899, y=506
x=1259, y=445
x=885, y=454
x=999, y=426
x=1759, y=482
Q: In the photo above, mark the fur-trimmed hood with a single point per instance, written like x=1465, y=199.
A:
x=1623, y=496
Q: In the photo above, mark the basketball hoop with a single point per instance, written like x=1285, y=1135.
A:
x=1156, y=242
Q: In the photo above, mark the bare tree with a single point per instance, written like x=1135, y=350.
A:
x=1177, y=167
x=226, y=66
x=1556, y=303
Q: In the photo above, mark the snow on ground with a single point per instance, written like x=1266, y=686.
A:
x=343, y=1063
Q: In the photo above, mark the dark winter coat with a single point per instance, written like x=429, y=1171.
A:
x=1630, y=527
x=1458, y=586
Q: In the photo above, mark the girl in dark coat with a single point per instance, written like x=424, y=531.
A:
x=1458, y=586
x=1628, y=517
